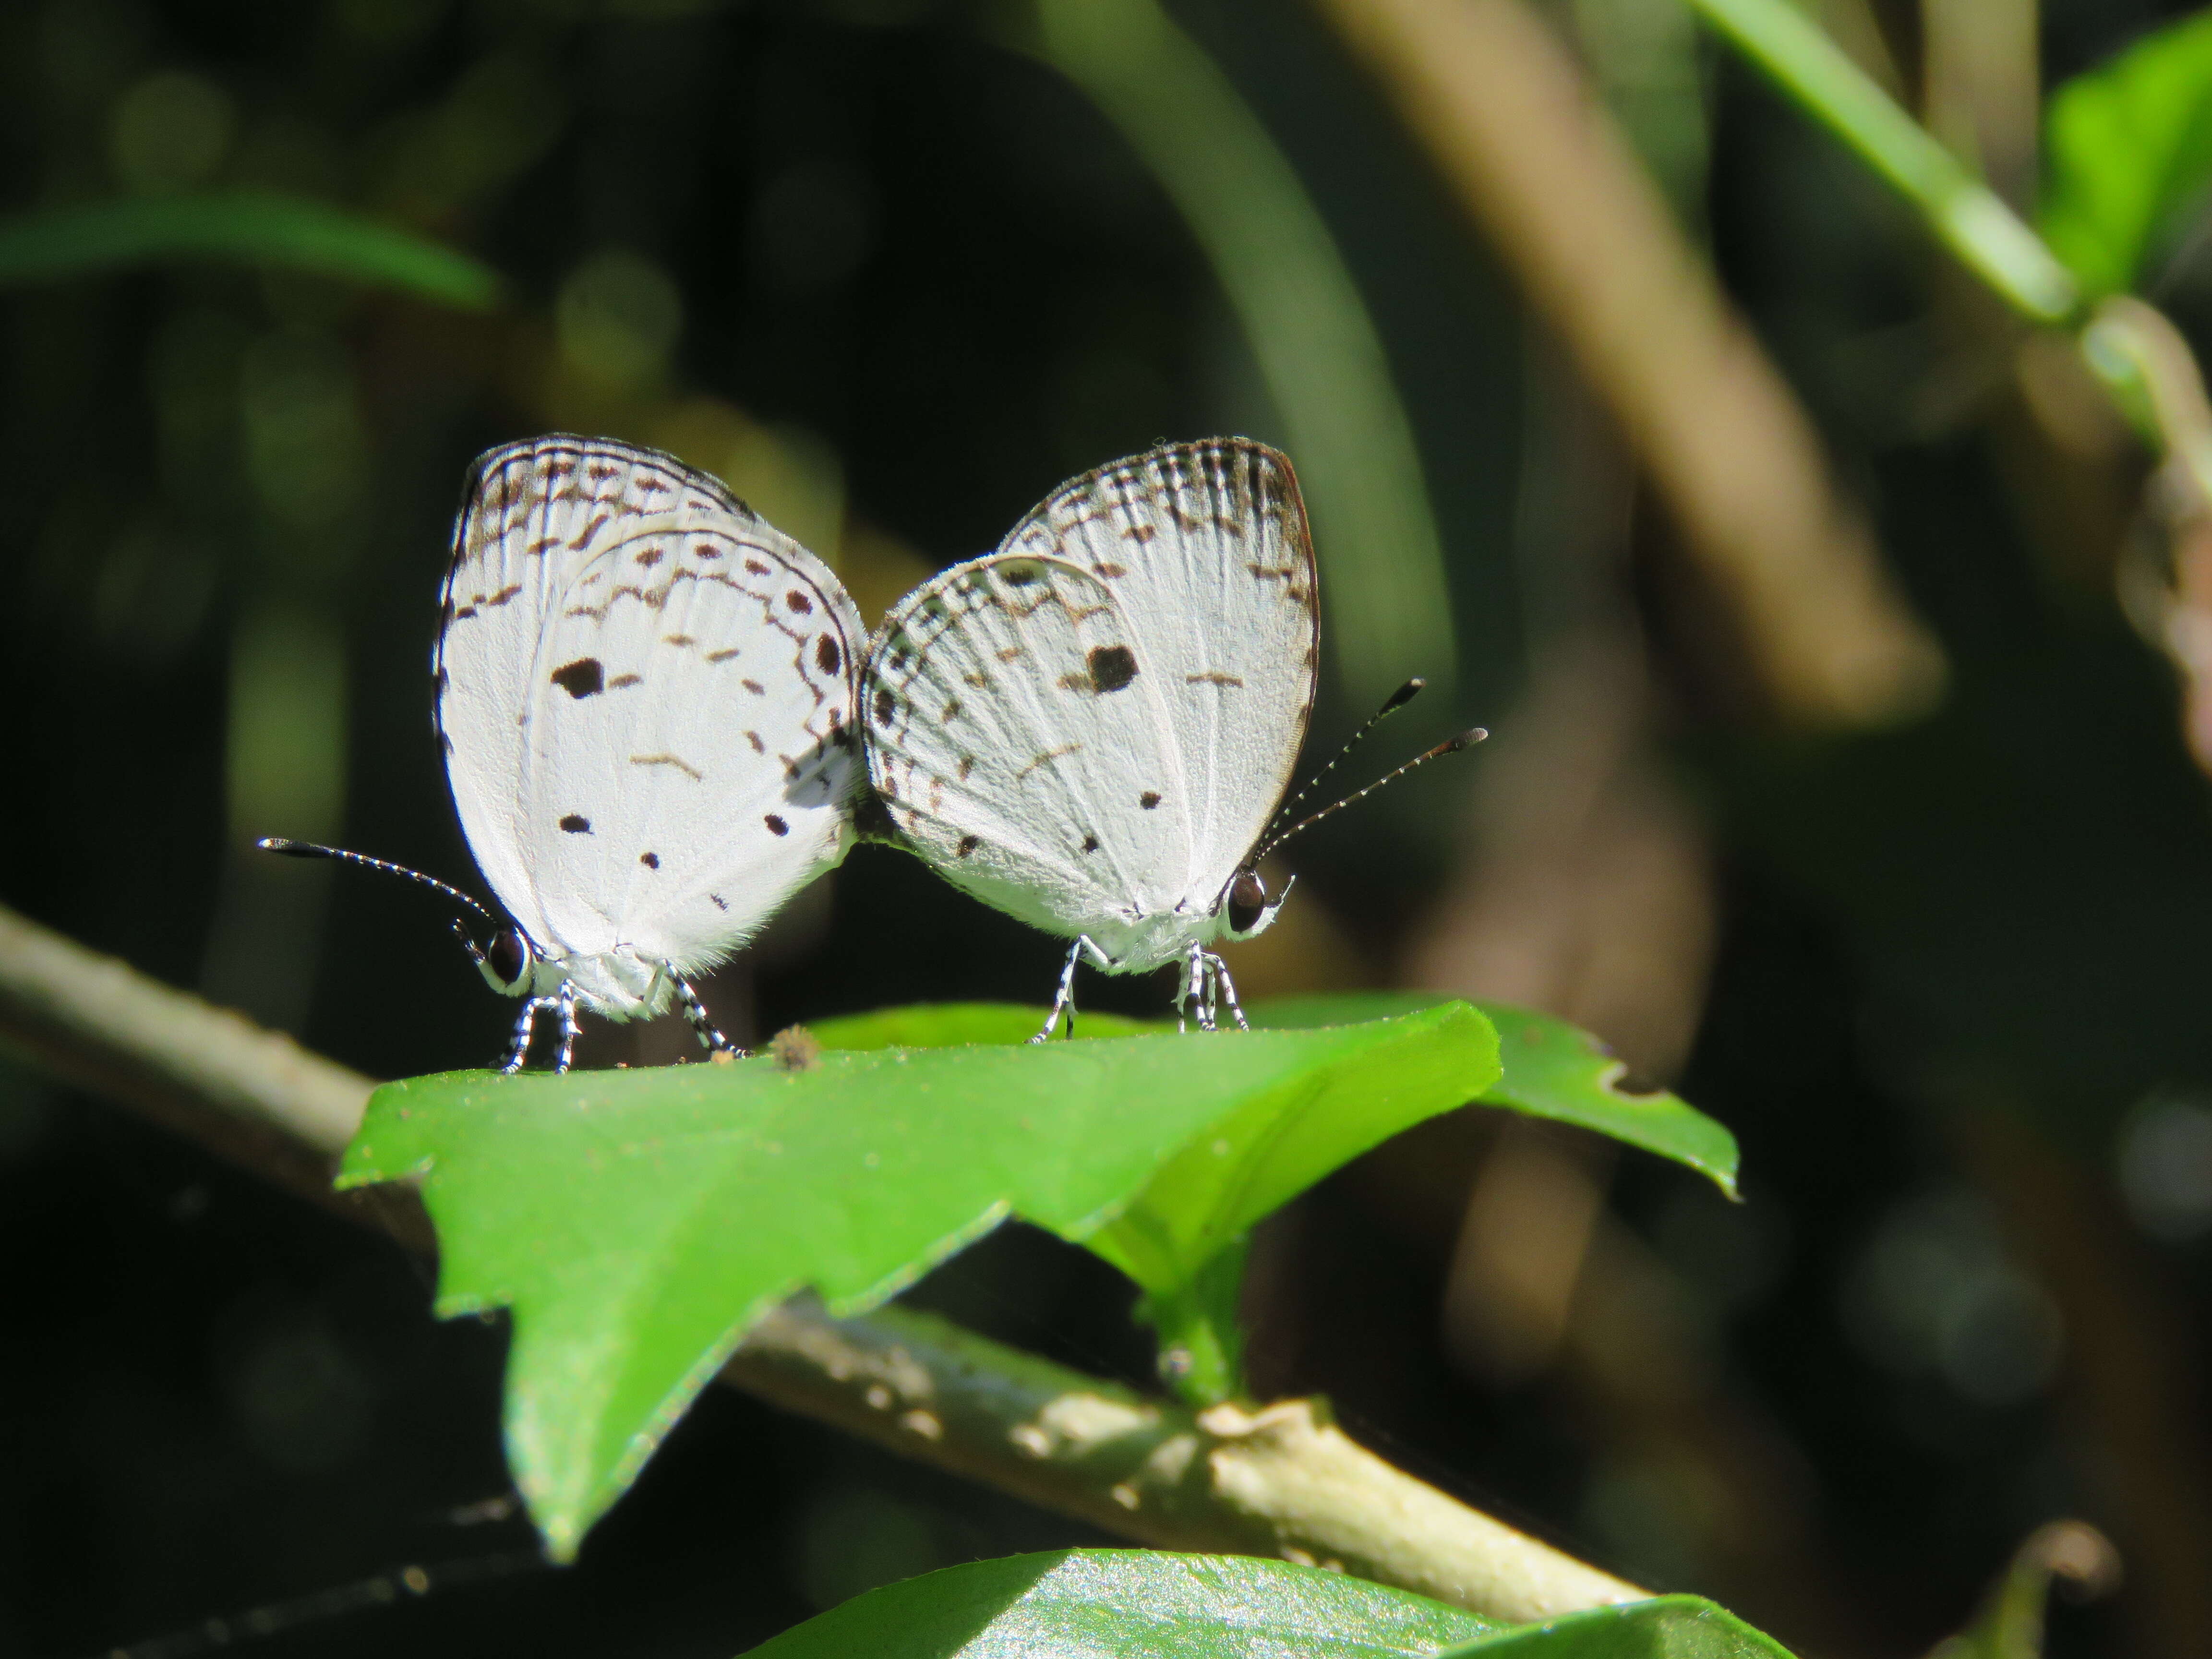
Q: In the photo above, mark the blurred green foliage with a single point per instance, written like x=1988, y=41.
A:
x=1958, y=207
x=2130, y=158
x=250, y=228
x=1384, y=591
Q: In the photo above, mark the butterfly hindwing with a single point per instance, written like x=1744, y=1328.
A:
x=639, y=680
x=1008, y=716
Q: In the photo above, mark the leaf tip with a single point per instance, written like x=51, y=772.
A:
x=561, y=1536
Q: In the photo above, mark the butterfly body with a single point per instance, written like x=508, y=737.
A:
x=617, y=984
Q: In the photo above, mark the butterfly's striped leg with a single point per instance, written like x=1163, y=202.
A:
x=1198, y=990
x=519, y=1049
x=1218, y=974
x=710, y=1037
x=567, y=1001
x=1063, y=1000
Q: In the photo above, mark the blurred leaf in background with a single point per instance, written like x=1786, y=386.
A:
x=253, y=227
x=2129, y=167
x=1383, y=589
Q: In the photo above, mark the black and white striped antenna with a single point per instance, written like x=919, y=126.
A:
x=1391, y=704
x=308, y=850
x=1466, y=739
x=1275, y=836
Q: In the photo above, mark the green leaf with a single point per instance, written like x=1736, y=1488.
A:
x=1201, y=1345
x=1554, y=1070
x=1665, y=1627
x=637, y=1221
x=942, y=1024
x=2009, y=1624
x=1551, y=1069
x=1970, y=219
x=1078, y=1604
x=247, y=226
x=1561, y=1072
x=2129, y=155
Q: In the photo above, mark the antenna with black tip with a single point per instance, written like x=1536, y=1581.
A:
x=1466, y=739
x=1391, y=704
x=307, y=850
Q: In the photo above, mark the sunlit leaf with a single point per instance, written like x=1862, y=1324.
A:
x=1079, y=1604
x=637, y=1221
x=1248, y=1164
x=246, y=227
x=1665, y=1627
x=2128, y=150
x=1551, y=1069
x=941, y=1024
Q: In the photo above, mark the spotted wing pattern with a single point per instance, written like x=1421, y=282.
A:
x=645, y=696
x=1007, y=714
x=1092, y=725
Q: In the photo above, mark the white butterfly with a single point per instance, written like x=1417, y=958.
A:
x=1090, y=728
x=645, y=694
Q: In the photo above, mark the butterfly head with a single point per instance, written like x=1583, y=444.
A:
x=509, y=963
x=1244, y=904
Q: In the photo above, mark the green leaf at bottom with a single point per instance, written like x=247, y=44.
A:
x=1551, y=1069
x=1080, y=1604
x=1665, y=1627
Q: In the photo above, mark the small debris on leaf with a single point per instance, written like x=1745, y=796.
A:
x=795, y=1048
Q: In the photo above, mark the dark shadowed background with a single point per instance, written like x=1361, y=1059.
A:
x=885, y=267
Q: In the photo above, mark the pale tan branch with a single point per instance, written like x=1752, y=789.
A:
x=255, y=1095
x=1281, y=1481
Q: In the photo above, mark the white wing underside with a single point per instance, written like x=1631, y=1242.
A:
x=1090, y=728
x=638, y=681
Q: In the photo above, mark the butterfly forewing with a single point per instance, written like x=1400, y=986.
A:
x=1016, y=739
x=1205, y=550
x=646, y=694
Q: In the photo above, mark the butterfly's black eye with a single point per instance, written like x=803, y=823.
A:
x=509, y=956
x=1247, y=900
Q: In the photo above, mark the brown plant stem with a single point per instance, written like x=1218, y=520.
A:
x=1511, y=122
x=1281, y=1480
